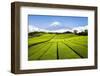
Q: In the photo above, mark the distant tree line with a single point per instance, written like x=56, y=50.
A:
x=38, y=33
x=35, y=34
x=85, y=32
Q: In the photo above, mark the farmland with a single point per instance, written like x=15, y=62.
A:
x=51, y=46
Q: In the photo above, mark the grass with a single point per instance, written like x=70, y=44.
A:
x=65, y=52
x=57, y=46
x=51, y=53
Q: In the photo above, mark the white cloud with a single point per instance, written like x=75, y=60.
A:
x=80, y=29
x=33, y=28
x=55, y=23
x=60, y=30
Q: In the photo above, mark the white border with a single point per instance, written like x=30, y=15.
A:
x=25, y=64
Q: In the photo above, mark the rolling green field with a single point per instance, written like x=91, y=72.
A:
x=57, y=46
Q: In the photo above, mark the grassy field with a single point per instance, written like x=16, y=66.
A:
x=57, y=46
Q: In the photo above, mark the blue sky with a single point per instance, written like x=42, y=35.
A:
x=45, y=21
x=49, y=23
